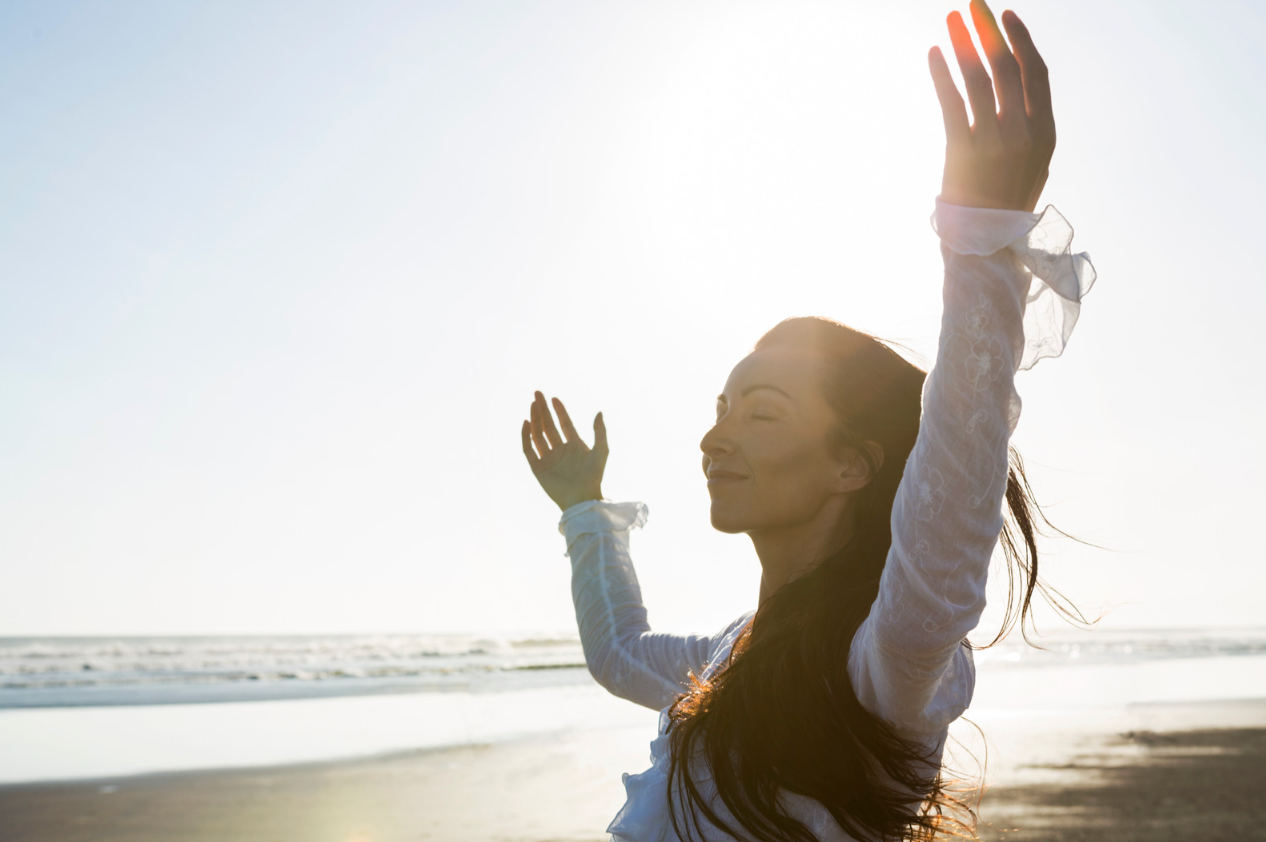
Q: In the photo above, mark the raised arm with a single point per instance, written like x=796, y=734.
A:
x=1011, y=293
x=622, y=653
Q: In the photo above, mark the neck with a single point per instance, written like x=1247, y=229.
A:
x=788, y=552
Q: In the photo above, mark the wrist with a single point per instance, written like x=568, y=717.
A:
x=565, y=503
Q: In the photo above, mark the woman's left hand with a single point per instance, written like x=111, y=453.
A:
x=1001, y=160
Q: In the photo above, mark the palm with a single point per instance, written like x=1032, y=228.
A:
x=569, y=470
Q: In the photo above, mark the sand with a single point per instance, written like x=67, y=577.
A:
x=1187, y=785
x=564, y=788
x=1191, y=772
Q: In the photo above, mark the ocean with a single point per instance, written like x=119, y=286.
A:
x=94, y=671
x=104, y=706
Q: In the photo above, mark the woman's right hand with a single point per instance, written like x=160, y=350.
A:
x=568, y=469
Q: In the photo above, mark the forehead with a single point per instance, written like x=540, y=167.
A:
x=794, y=371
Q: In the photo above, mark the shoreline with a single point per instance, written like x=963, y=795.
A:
x=78, y=743
x=1150, y=771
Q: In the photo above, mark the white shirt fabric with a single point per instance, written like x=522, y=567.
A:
x=1012, y=293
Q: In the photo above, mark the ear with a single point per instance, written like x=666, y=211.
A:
x=855, y=471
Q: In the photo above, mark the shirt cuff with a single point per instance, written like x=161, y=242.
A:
x=1043, y=243
x=593, y=516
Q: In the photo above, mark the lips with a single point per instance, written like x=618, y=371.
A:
x=718, y=477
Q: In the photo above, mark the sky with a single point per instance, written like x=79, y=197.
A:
x=278, y=280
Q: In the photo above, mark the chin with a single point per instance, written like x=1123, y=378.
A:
x=727, y=522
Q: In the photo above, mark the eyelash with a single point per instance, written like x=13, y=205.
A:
x=753, y=417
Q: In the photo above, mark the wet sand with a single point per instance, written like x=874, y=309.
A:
x=563, y=788
x=1201, y=785
x=1191, y=772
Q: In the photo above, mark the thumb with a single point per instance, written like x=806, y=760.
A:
x=600, y=435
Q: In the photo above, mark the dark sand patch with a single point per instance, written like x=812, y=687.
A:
x=1195, y=786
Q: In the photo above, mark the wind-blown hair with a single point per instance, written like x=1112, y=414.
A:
x=782, y=716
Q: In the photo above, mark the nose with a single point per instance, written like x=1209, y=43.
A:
x=715, y=443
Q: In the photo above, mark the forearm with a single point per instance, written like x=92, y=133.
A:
x=622, y=653
x=948, y=511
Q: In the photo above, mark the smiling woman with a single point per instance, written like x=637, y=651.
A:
x=873, y=495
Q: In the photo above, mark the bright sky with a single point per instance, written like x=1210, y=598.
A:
x=277, y=282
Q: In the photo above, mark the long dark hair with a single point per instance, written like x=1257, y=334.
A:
x=782, y=715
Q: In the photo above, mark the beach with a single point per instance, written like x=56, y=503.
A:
x=563, y=788
x=1187, y=771
x=1109, y=736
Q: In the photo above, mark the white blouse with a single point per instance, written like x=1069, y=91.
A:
x=1012, y=294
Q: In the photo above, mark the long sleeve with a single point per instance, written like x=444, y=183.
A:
x=622, y=653
x=1011, y=295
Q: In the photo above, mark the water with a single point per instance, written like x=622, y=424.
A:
x=92, y=671
x=1123, y=646
x=97, y=707
x=97, y=671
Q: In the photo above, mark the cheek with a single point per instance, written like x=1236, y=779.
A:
x=792, y=476
x=791, y=463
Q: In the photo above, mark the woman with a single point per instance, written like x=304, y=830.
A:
x=873, y=496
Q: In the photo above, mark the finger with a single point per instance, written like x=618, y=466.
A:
x=975, y=79
x=569, y=429
x=540, y=418
x=547, y=421
x=532, y=458
x=538, y=432
x=1006, y=71
x=953, y=109
x=600, y=436
x=1037, y=85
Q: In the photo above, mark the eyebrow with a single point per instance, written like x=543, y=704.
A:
x=757, y=386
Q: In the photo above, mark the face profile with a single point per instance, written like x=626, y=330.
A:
x=769, y=459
